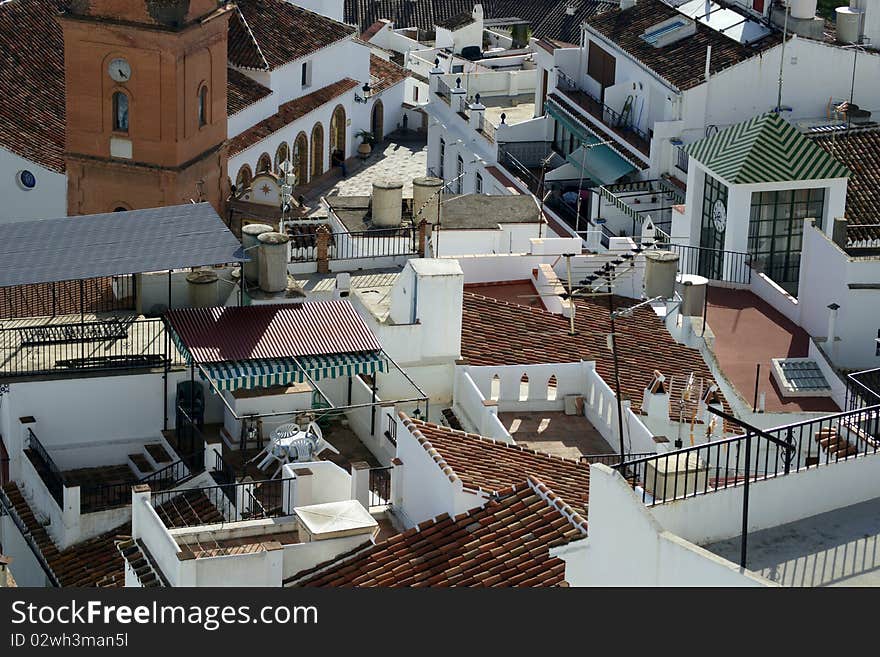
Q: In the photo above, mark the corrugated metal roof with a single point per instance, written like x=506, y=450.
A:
x=92, y=246
x=313, y=328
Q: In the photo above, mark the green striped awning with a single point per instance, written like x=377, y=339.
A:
x=764, y=149
x=233, y=375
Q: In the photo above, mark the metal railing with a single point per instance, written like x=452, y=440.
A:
x=486, y=128
x=444, y=91
x=391, y=431
x=622, y=126
x=380, y=486
x=681, y=159
x=375, y=243
x=756, y=455
x=49, y=472
x=862, y=389
x=9, y=509
x=613, y=459
x=714, y=264
x=252, y=500
x=93, y=295
x=84, y=346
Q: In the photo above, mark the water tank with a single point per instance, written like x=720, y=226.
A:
x=692, y=289
x=426, y=194
x=803, y=8
x=387, y=204
x=203, y=285
x=661, y=268
x=249, y=235
x=273, y=261
x=849, y=23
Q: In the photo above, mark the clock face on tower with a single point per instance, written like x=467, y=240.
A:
x=119, y=70
x=719, y=216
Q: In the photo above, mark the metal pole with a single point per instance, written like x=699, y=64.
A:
x=571, y=306
x=373, y=406
x=616, y=372
x=757, y=382
x=165, y=378
x=745, y=513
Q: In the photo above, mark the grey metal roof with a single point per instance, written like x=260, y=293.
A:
x=91, y=246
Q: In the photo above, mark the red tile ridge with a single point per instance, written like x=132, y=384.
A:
x=544, y=492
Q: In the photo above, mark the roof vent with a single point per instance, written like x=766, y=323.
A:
x=669, y=31
x=569, y=10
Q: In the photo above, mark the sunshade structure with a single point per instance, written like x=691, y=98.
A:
x=116, y=243
x=260, y=346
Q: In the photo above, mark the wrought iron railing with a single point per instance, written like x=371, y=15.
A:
x=380, y=486
x=714, y=264
x=486, y=128
x=613, y=459
x=49, y=472
x=862, y=389
x=391, y=431
x=9, y=509
x=250, y=500
x=444, y=91
x=374, y=243
x=52, y=349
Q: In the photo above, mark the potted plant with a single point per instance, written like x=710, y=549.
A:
x=367, y=141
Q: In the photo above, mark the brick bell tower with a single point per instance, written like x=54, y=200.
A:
x=146, y=103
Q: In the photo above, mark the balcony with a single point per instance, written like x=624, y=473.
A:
x=619, y=124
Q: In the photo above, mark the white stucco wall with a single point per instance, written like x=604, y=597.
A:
x=45, y=201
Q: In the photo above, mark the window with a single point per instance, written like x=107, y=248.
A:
x=457, y=68
x=478, y=184
x=415, y=94
x=264, y=163
x=776, y=227
x=442, y=160
x=306, y=78
x=26, y=179
x=601, y=66
x=681, y=159
x=203, y=106
x=711, y=257
x=120, y=112
x=459, y=174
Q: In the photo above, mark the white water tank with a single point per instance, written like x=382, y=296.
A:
x=849, y=24
x=387, y=204
x=249, y=235
x=426, y=196
x=661, y=268
x=803, y=8
x=273, y=261
x=693, y=294
x=203, y=285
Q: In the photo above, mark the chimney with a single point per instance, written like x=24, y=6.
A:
x=477, y=13
x=655, y=399
x=627, y=4
x=714, y=424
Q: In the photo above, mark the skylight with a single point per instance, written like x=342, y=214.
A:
x=725, y=21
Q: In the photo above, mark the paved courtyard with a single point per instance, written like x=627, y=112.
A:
x=554, y=432
x=398, y=158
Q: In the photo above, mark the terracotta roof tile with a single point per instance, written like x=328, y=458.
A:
x=32, y=109
x=242, y=91
x=266, y=34
x=386, y=73
x=859, y=150
x=534, y=336
x=682, y=63
x=479, y=548
x=488, y=465
x=288, y=113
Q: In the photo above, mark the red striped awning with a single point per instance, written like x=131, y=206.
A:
x=316, y=328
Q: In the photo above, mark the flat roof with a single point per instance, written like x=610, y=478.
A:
x=115, y=243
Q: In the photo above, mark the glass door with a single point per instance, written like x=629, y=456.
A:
x=712, y=229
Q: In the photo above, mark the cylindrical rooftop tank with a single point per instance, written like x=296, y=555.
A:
x=426, y=197
x=849, y=24
x=273, y=261
x=803, y=8
x=387, y=204
x=249, y=235
x=661, y=268
x=693, y=294
x=203, y=285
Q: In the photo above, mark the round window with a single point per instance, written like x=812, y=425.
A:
x=26, y=179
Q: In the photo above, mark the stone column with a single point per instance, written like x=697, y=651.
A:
x=423, y=237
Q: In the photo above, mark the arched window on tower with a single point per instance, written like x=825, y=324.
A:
x=120, y=111
x=203, y=105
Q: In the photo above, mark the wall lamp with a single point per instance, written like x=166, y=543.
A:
x=363, y=99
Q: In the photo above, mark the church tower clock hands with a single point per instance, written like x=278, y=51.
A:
x=145, y=103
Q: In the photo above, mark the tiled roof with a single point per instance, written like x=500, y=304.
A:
x=548, y=18
x=487, y=465
x=497, y=332
x=386, y=72
x=266, y=34
x=682, y=63
x=859, y=150
x=456, y=22
x=505, y=543
x=372, y=31
x=288, y=113
x=32, y=111
x=242, y=91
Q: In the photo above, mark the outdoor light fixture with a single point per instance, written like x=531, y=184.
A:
x=417, y=414
x=363, y=99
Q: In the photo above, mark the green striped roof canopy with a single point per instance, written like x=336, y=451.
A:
x=764, y=149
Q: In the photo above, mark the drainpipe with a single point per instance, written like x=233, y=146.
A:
x=831, y=340
x=706, y=76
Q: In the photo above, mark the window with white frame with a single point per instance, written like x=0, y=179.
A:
x=306, y=75
x=478, y=184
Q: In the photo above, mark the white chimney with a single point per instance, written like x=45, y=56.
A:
x=870, y=10
x=655, y=399
x=627, y=4
x=477, y=13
